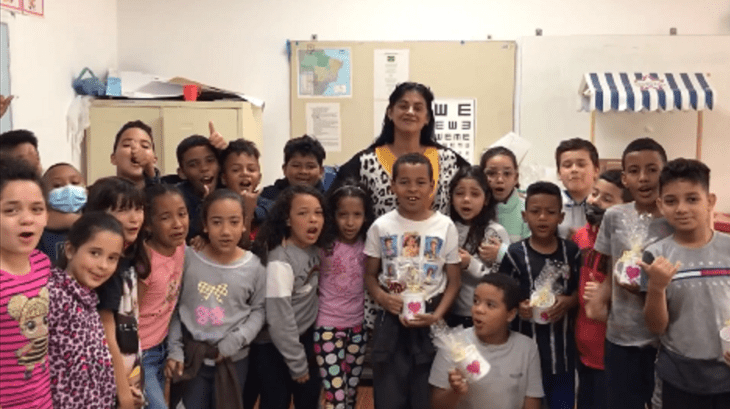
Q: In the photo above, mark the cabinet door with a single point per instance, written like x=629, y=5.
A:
x=105, y=123
x=179, y=123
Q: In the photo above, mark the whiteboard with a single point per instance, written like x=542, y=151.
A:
x=550, y=71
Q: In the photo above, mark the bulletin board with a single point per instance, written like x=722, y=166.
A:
x=483, y=71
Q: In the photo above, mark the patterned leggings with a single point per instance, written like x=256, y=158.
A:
x=340, y=353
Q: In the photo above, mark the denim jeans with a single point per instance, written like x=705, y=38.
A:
x=153, y=364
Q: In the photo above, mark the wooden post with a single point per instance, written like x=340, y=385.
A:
x=593, y=127
x=699, y=135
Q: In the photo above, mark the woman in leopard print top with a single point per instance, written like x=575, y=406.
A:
x=408, y=127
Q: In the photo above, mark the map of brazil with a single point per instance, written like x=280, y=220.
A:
x=325, y=72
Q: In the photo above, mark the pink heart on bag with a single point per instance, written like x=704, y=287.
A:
x=473, y=367
x=414, y=307
x=633, y=272
x=544, y=316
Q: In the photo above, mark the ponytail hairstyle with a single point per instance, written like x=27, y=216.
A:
x=218, y=195
x=497, y=151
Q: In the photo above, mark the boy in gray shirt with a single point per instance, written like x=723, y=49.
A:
x=686, y=280
x=630, y=346
x=514, y=380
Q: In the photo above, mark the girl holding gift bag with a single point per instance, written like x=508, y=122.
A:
x=339, y=337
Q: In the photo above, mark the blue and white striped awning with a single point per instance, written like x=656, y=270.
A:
x=623, y=91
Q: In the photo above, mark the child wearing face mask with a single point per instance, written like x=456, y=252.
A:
x=66, y=193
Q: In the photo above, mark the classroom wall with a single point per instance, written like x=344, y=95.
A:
x=45, y=54
x=241, y=44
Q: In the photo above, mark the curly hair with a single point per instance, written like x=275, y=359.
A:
x=275, y=229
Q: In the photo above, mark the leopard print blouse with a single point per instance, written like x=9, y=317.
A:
x=372, y=168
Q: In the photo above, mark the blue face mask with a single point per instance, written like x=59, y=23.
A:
x=67, y=199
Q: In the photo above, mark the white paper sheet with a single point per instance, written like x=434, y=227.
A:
x=324, y=123
x=390, y=68
x=517, y=144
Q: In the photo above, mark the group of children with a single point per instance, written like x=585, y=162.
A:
x=229, y=296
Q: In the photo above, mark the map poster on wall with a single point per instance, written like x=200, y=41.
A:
x=324, y=72
x=455, y=125
x=32, y=7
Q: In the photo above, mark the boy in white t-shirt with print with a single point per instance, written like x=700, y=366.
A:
x=514, y=380
x=402, y=350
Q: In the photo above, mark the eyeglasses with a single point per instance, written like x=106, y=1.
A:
x=495, y=174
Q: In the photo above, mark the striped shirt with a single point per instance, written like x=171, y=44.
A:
x=555, y=340
x=24, y=336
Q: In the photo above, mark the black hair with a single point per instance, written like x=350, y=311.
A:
x=10, y=139
x=85, y=228
x=191, y=142
x=479, y=224
x=58, y=165
x=413, y=158
x=239, y=146
x=387, y=134
x=613, y=176
x=499, y=151
x=512, y=293
x=544, y=188
x=350, y=188
x=304, y=145
x=217, y=195
x=14, y=169
x=151, y=193
x=643, y=144
x=577, y=144
x=54, y=166
x=133, y=124
x=275, y=229
x=689, y=170
x=113, y=193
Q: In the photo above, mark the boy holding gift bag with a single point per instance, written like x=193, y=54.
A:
x=630, y=346
x=402, y=349
x=512, y=356
x=547, y=268
x=686, y=279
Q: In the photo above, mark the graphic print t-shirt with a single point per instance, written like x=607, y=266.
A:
x=426, y=245
x=24, y=375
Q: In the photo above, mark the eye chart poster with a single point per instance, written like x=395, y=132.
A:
x=455, y=125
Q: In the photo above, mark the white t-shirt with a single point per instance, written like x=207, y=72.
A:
x=514, y=374
x=429, y=244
